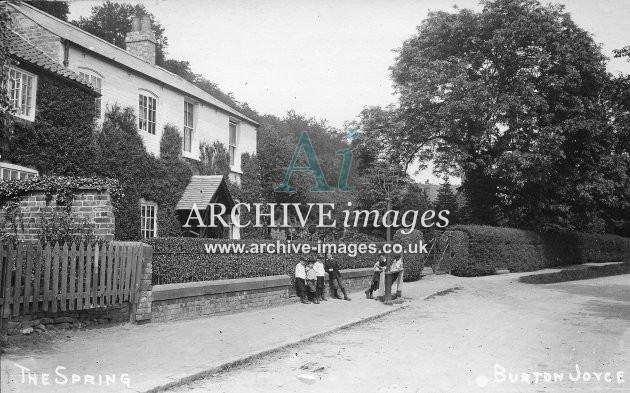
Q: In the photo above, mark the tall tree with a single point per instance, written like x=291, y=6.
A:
x=511, y=97
x=58, y=9
x=447, y=200
x=112, y=21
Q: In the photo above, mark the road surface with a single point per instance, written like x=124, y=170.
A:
x=492, y=335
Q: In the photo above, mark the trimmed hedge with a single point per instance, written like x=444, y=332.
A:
x=177, y=260
x=412, y=262
x=480, y=250
x=577, y=274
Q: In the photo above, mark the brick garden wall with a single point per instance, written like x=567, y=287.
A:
x=88, y=203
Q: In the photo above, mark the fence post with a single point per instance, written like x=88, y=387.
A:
x=141, y=303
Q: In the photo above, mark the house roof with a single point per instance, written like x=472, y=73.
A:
x=21, y=49
x=118, y=55
x=201, y=190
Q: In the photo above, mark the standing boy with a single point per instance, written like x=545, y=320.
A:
x=320, y=272
x=332, y=267
x=311, y=280
x=300, y=280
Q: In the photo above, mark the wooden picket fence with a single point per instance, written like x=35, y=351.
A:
x=37, y=278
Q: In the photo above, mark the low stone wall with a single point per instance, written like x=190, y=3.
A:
x=77, y=319
x=199, y=299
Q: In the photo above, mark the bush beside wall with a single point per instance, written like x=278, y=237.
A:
x=177, y=260
x=480, y=250
x=413, y=262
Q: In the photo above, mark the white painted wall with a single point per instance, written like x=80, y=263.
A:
x=122, y=87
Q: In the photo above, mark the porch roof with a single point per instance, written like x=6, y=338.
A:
x=203, y=190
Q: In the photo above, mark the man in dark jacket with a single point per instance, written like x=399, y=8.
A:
x=332, y=268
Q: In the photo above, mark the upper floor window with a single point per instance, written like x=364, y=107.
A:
x=232, y=149
x=97, y=82
x=148, y=220
x=189, y=116
x=21, y=88
x=147, y=113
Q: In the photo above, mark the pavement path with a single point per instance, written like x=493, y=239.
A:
x=145, y=357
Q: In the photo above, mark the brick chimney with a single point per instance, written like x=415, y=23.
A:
x=140, y=41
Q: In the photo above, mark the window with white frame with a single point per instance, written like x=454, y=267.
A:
x=189, y=127
x=147, y=113
x=232, y=142
x=148, y=220
x=22, y=87
x=97, y=82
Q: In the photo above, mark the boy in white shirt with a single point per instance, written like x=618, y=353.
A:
x=311, y=280
x=300, y=280
x=320, y=272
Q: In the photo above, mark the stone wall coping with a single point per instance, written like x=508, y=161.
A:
x=353, y=273
x=200, y=288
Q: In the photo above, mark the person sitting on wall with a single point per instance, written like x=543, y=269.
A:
x=300, y=280
x=379, y=267
x=332, y=267
x=321, y=273
x=311, y=280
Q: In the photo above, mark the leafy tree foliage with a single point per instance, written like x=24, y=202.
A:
x=111, y=21
x=58, y=9
x=512, y=98
x=447, y=200
x=214, y=159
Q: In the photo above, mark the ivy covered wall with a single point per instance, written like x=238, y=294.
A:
x=61, y=139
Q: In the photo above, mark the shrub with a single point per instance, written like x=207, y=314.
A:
x=60, y=226
x=413, y=262
x=185, y=259
x=480, y=250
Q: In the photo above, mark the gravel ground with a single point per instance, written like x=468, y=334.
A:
x=471, y=339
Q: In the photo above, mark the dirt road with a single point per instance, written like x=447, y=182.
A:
x=494, y=334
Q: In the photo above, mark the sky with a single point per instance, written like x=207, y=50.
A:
x=324, y=58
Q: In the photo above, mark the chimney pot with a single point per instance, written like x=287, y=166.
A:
x=140, y=41
x=145, y=24
x=135, y=23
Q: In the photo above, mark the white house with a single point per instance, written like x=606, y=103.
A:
x=130, y=78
